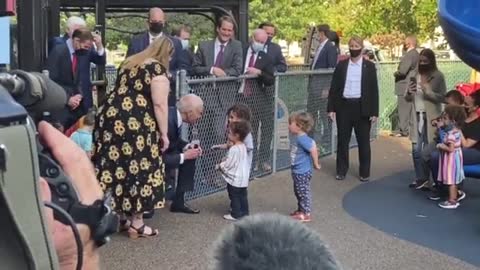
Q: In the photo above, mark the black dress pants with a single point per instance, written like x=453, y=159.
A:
x=349, y=117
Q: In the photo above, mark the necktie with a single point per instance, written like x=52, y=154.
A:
x=74, y=64
x=249, y=83
x=219, y=60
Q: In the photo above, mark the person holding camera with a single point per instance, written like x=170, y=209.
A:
x=426, y=91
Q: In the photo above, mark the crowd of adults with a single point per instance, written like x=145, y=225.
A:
x=422, y=94
x=137, y=141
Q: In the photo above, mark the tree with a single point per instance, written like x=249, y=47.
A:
x=427, y=18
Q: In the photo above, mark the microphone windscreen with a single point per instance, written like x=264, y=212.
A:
x=54, y=96
x=271, y=241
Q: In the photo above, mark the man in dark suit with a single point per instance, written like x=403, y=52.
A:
x=259, y=96
x=183, y=33
x=69, y=66
x=273, y=49
x=156, y=26
x=180, y=154
x=353, y=102
x=325, y=57
x=406, y=70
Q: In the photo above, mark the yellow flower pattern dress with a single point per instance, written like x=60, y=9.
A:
x=127, y=143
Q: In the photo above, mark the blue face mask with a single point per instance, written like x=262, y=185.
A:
x=448, y=127
x=185, y=43
x=258, y=47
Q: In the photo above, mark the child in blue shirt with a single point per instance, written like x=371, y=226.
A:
x=83, y=136
x=304, y=156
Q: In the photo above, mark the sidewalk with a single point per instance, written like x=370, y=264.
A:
x=184, y=241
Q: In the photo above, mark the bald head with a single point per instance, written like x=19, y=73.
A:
x=411, y=42
x=191, y=108
x=156, y=15
x=260, y=36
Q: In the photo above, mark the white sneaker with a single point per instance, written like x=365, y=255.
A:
x=229, y=217
x=449, y=205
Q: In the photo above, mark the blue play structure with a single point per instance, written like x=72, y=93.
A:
x=461, y=24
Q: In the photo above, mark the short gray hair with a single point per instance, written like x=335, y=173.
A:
x=74, y=20
x=189, y=103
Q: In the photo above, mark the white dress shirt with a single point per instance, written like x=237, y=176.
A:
x=353, y=82
x=151, y=37
x=247, y=60
x=179, y=125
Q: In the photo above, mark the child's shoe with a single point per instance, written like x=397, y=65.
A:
x=449, y=204
x=302, y=217
x=295, y=213
x=229, y=217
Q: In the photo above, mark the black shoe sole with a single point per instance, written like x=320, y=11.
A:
x=340, y=177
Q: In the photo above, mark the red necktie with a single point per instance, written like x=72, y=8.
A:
x=74, y=64
x=249, y=83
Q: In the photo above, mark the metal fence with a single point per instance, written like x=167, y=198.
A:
x=298, y=89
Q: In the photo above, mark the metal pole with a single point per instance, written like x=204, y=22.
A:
x=100, y=9
x=275, y=124
x=30, y=30
x=243, y=21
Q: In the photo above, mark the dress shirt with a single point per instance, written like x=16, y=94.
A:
x=179, y=125
x=353, y=82
x=151, y=37
x=217, y=50
x=247, y=60
x=317, y=54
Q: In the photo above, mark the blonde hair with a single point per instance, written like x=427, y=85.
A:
x=161, y=49
x=303, y=120
x=357, y=40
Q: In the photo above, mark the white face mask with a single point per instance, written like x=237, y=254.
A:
x=257, y=47
x=185, y=43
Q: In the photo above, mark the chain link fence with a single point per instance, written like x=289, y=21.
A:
x=299, y=89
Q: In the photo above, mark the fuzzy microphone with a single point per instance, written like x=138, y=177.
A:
x=271, y=242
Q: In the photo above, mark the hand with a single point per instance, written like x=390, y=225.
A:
x=373, y=119
x=217, y=167
x=439, y=145
x=192, y=153
x=412, y=87
x=80, y=170
x=219, y=72
x=253, y=71
x=317, y=166
x=165, y=143
x=332, y=115
x=74, y=101
x=97, y=39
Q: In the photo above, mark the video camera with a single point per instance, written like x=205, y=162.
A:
x=26, y=98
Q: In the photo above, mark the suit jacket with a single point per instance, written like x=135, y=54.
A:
x=407, y=68
x=434, y=96
x=327, y=58
x=265, y=64
x=204, y=59
x=142, y=41
x=171, y=157
x=369, y=84
x=275, y=52
x=187, y=58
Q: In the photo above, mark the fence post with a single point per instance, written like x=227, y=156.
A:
x=275, y=124
x=181, y=84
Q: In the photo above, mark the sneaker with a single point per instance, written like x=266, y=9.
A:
x=435, y=196
x=421, y=184
x=461, y=195
x=449, y=205
x=413, y=184
x=302, y=217
x=229, y=217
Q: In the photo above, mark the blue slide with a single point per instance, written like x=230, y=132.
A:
x=460, y=21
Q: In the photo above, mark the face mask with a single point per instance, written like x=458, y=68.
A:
x=448, y=127
x=184, y=43
x=269, y=40
x=257, y=47
x=156, y=28
x=424, y=68
x=81, y=52
x=355, y=53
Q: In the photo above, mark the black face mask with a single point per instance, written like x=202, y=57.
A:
x=156, y=28
x=81, y=52
x=355, y=53
x=424, y=68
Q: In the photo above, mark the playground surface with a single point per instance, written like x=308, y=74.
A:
x=367, y=226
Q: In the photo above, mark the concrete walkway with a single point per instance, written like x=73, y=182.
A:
x=185, y=241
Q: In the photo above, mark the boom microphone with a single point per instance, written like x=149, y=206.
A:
x=271, y=241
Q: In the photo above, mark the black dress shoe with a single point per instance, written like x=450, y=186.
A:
x=148, y=214
x=340, y=177
x=183, y=209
